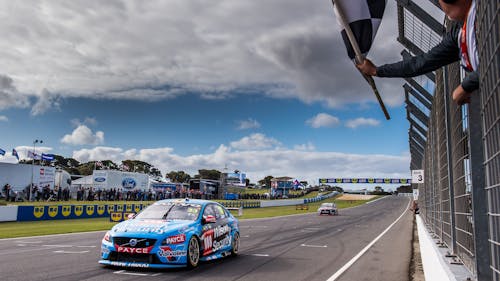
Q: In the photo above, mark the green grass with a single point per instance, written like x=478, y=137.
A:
x=35, y=228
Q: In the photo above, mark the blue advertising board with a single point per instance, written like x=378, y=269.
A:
x=59, y=212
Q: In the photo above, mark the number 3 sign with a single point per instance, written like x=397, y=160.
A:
x=417, y=176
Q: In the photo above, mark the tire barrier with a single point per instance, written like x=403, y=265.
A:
x=59, y=212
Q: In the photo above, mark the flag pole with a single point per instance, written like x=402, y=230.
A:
x=359, y=56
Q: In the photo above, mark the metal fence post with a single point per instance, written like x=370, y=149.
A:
x=479, y=201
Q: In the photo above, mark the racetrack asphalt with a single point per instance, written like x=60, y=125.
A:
x=300, y=247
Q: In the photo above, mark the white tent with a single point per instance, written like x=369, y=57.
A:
x=86, y=181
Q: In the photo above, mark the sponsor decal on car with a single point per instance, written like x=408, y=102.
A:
x=176, y=239
x=105, y=250
x=130, y=250
x=129, y=264
x=210, y=239
x=167, y=252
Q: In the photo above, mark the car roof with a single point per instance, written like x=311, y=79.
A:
x=185, y=200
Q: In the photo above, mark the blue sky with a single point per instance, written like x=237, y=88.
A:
x=264, y=87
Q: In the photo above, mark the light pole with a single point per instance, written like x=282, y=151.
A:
x=33, y=168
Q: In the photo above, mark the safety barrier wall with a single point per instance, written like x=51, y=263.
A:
x=58, y=212
x=8, y=213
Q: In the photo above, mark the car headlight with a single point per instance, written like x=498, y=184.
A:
x=107, y=237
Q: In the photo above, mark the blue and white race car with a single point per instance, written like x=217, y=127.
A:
x=172, y=233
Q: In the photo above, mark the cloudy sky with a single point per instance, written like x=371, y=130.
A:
x=262, y=86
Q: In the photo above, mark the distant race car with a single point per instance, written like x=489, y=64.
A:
x=328, y=208
x=172, y=233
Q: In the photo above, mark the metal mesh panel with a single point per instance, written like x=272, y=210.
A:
x=419, y=33
x=461, y=176
x=442, y=169
x=488, y=26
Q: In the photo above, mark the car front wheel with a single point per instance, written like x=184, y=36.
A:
x=235, y=244
x=193, y=254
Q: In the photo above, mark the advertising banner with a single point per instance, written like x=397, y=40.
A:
x=365, y=180
x=59, y=212
x=236, y=179
x=108, y=179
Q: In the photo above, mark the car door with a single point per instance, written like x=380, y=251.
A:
x=216, y=235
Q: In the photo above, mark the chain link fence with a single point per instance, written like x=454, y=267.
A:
x=460, y=199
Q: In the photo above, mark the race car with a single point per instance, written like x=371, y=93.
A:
x=172, y=233
x=328, y=208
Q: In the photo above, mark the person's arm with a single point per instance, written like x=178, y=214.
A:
x=471, y=82
x=462, y=93
x=444, y=53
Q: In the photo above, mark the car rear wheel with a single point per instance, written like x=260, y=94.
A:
x=193, y=254
x=235, y=245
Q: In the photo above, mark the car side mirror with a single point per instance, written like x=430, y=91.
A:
x=209, y=219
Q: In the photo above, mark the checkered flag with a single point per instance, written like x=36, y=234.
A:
x=364, y=18
x=359, y=21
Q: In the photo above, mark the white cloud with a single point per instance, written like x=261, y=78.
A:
x=83, y=135
x=46, y=101
x=248, y=124
x=323, y=120
x=9, y=95
x=3, y=118
x=87, y=121
x=305, y=147
x=153, y=50
x=304, y=165
x=354, y=123
x=255, y=142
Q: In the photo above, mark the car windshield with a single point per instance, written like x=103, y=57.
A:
x=327, y=205
x=171, y=211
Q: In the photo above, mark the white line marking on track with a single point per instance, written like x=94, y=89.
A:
x=53, y=235
x=58, y=246
x=70, y=252
x=93, y=246
x=260, y=255
x=313, y=246
x=130, y=273
x=365, y=249
x=156, y=274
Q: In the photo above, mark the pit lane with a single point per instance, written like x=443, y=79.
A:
x=299, y=247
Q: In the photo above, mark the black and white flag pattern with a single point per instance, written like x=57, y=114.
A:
x=364, y=18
